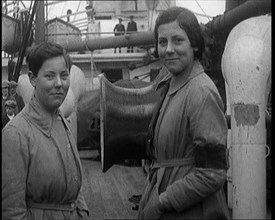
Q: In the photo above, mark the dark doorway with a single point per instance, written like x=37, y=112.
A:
x=113, y=75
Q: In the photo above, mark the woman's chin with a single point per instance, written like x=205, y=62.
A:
x=55, y=105
x=174, y=72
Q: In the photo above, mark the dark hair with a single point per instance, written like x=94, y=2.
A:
x=44, y=51
x=188, y=22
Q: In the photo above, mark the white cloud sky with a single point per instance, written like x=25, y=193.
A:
x=201, y=7
x=208, y=7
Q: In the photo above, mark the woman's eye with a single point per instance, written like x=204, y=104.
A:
x=64, y=75
x=49, y=76
x=162, y=42
x=178, y=40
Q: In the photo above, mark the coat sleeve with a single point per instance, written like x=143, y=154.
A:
x=15, y=159
x=81, y=203
x=209, y=130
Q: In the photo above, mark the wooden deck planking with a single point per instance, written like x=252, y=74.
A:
x=91, y=191
x=125, y=188
x=112, y=200
x=107, y=193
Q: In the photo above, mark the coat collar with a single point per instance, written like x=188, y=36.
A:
x=164, y=76
x=177, y=82
x=38, y=116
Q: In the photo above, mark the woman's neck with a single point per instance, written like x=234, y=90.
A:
x=51, y=112
x=187, y=71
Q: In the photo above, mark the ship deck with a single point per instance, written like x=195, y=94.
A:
x=107, y=194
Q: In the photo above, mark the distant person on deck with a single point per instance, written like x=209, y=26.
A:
x=119, y=29
x=19, y=100
x=5, y=94
x=131, y=28
x=10, y=105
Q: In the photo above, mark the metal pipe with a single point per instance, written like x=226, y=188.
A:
x=136, y=39
x=246, y=67
x=75, y=21
x=145, y=38
x=77, y=13
x=229, y=4
x=232, y=17
x=81, y=24
x=218, y=24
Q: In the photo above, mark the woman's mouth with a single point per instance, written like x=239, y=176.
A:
x=57, y=94
x=171, y=59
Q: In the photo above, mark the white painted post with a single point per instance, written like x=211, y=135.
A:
x=92, y=70
x=229, y=171
x=246, y=66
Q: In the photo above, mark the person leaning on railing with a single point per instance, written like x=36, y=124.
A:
x=131, y=28
x=119, y=29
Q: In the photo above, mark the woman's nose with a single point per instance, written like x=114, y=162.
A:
x=57, y=81
x=170, y=47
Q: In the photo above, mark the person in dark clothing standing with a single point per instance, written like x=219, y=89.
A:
x=119, y=29
x=131, y=28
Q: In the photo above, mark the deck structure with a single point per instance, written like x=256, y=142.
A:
x=107, y=194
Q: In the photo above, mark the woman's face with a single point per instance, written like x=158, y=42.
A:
x=13, y=91
x=52, y=83
x=174, y=48
x=5, y=92
x=10, y=111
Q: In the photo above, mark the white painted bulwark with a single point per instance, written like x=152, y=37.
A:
x=25, y=88
x=246, y=66
x=77, y=82
x=229, y=171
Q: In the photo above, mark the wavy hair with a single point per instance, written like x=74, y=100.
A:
x=44, y=51
x=188, y=22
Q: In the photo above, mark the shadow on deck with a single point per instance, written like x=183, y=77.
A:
x=107, y=194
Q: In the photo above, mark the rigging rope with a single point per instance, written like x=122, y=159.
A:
x=202, y=10
x=24, y=43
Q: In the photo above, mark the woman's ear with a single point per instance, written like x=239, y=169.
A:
x=32, y=78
